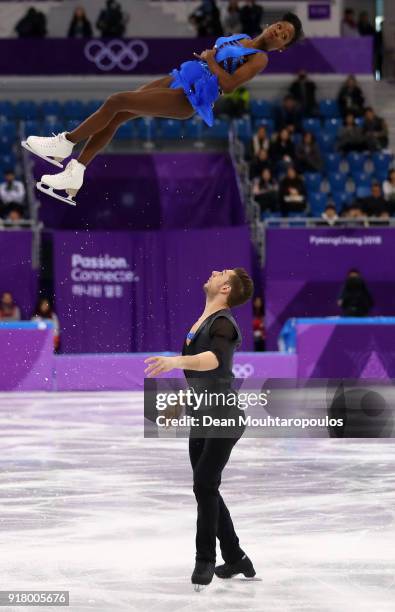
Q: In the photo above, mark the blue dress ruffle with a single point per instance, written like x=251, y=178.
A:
x=201, y=86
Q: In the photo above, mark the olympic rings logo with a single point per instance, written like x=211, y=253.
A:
x=243, y=370
x=116, y=54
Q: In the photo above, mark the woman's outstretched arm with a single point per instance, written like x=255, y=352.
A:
x=230, y=82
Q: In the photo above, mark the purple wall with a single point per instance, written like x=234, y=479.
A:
x=345, y=351
x=16, y=273
x=305, y=270
x=126, y=372
x=154, y=289
x=159, y=56
x=139, y=192
x=26, y=358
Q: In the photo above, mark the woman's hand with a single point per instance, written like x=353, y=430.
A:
x=159, y=365
x=206, y=55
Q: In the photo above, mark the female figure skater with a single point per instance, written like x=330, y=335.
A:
x=207, y=361
x=193, y=88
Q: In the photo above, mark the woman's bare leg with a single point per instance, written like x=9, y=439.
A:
x=152, y=102
x=98, y=141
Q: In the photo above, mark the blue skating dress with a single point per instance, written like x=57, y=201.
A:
x=200, y=85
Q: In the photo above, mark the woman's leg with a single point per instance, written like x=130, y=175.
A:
x=98, y=141
x=156, y=102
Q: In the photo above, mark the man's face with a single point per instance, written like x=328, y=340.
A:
x=369, y=115
x=289, y=104
x=219, y=282
x=279, y=35
x=376, y=191
x=9, y=177
x=330, y=213
x=7, y=299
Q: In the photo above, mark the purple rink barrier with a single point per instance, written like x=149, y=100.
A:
x=140, y=192
x=305, y=271
x=61, y=56
x=16, y=272
x=341, y=349
x=26, y=350
x=126, y=372
x=140, y=291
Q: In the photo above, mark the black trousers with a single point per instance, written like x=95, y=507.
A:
x=208, y=458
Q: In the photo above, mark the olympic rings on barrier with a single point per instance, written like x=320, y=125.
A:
x=243, y=370
x=116, y=54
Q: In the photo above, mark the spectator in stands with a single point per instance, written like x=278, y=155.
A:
x=12, y=193
x=232, y=22
x=32, y=25
x=111, y=21
x=14, y=219
x=9, y=311
x=258, y=324
x=288, y=115
x=355, y=299
x=292, y=193
x=303, y=90
x=260, y=140
x=330, y=215
x=389, y=190
x=207, y=19
x=350, y=137
x=80, y=26
x=234, y=104
x=260, y=163
x=374, y=130
x=382, y=220
x=282, y=148
x=251, y=16
x=388, y=47
x=308, y=155
x=365, y=28
x=351, y=98
x=374, y=204
x=349, y=26
x=353, y=212
x=265, y=190
x=44, y=312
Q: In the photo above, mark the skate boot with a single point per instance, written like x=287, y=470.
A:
x=202, y=574
x=244, y=566
x=53, y=148
x=70, y=181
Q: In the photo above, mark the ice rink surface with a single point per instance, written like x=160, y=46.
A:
x=90, y=506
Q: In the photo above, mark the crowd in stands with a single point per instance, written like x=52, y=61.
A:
x=10, y=311
x=333, y=168
x=111, y=23
x=245, y=17
x=239, y=17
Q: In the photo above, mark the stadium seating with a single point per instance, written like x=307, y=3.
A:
x=52, y=116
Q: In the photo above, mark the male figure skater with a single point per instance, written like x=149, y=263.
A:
x=208, y=355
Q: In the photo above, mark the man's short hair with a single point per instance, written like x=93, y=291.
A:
x=242, y=288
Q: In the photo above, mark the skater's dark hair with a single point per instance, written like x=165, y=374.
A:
x=297, y=24
x=242, y=288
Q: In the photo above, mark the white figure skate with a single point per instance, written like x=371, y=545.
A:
x=70, y=181
x=53, y=149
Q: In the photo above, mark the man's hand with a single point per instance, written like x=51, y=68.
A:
x=159, y=365
x=206, y=55
x=172, y=412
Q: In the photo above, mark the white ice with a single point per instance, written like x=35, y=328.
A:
x=90, y=506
